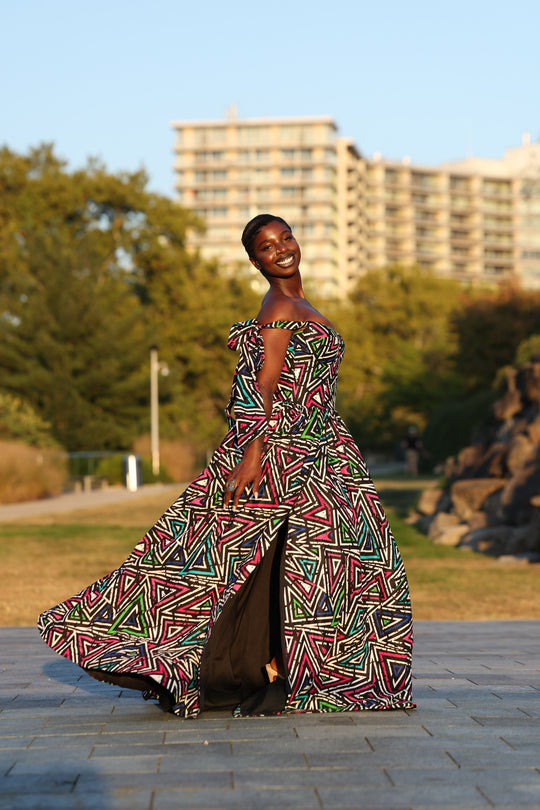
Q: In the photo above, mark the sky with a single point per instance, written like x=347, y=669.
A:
x=431, y=81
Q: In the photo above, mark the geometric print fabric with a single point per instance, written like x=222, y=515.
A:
x=346, y=615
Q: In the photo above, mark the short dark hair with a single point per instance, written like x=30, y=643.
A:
x=254, y=226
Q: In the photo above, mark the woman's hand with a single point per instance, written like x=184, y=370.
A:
x=248, y=471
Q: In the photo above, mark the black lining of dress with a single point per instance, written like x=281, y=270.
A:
x=141, y=682
x=247, y=634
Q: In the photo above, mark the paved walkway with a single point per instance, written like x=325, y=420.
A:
x=68, y=742
x=70, y=501
x=100, y=497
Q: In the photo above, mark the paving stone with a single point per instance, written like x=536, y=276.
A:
x=272, y=799
x=377, y=759
x=312, y=777
x=140, y=800
x=183, y=780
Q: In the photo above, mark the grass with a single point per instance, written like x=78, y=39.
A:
x=48, y=558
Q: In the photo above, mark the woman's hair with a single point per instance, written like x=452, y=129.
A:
x=254, y=226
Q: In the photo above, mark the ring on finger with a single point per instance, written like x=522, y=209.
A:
x=231, y=486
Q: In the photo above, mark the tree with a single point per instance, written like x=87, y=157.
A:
x=489, y=329
x=73, y=329
x=398, y=363
x=94, y=269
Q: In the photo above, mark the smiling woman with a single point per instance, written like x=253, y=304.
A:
x=273, y=583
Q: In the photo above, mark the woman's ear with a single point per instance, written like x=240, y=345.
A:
x=255, y=263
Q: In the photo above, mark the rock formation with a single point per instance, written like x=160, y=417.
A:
x=491, y=501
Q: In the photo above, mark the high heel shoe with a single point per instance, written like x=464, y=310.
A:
x=271, y=672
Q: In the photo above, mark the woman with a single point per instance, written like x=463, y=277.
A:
x=273, y=582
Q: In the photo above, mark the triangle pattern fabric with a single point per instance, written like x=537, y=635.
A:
x=345, y=609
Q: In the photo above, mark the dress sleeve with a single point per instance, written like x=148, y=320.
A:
x=246, y=406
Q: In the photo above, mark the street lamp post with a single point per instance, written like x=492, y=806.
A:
x=155, y=368
x=154, y=410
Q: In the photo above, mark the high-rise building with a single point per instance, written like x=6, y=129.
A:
x=228, y=171
x=475, y=220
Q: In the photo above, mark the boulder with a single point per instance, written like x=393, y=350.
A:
x=423, y=523
x=468, y=460
x=506, y=407
x=491, y=540
x=521, y=451
x=533, y=430
x=441, y=522
x=529, y=381
x=524, y=539
x=492, y=508
x=468, y=496
x=477, y=520
x=429, y=501
x=516, y=496
x=492, y=464
x=451, y=536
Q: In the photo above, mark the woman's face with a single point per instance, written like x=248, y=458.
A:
x=276, y=253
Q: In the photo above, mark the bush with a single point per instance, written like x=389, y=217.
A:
x=28, y=473
x=179, y=459
x=18, y=420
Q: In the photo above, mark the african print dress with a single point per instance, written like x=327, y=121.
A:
x=308, y=571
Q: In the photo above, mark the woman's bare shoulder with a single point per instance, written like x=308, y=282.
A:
x=277, y=310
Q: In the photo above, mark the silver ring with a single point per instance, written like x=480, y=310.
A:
x=231, y=486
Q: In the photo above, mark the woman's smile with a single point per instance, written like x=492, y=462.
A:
x=276, y=247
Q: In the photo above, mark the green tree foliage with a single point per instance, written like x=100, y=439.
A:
x=72, y=329
x=489, y=329
x=399, y=358
x=191, y=323
x=528, y=349
x=18, y=420
x=94, y=269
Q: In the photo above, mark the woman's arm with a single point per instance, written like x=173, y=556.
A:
x=248, y=471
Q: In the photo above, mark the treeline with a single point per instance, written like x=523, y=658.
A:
x=95, y=269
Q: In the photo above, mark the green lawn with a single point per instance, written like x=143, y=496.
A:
x=46, y=559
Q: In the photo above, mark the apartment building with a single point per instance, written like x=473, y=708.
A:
x=228, y=171
x=476, y=220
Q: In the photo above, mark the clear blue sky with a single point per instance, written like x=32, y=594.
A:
x=434, y=81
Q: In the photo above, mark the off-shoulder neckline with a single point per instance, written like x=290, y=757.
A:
x=282, y=321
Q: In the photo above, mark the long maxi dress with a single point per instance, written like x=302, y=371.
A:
x=309, y=571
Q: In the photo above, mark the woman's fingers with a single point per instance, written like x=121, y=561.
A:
x=237, y=495
x=235, y=488
x=255, y=484
x=230, y=486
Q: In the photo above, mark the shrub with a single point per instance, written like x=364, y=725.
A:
x=28, y=473
x=19, y=420
x=179, y=459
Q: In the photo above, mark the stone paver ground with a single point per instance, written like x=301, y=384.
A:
x=69, y=742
